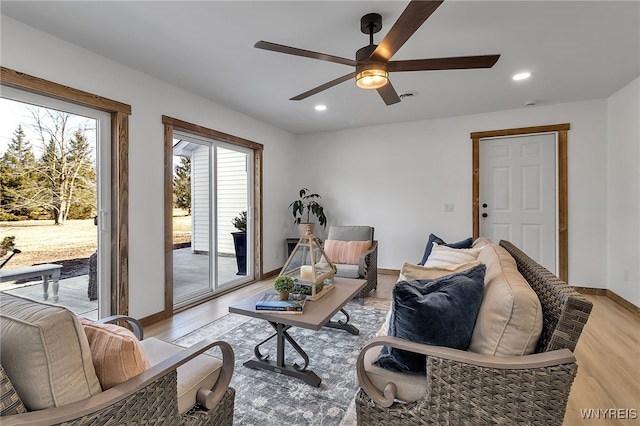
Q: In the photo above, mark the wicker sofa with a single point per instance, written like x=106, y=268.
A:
x=462, y=387
x=47, y=361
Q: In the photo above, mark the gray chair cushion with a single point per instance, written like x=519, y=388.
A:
x=347, y=271
x=350, y=233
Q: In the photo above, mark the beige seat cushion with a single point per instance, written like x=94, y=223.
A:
x=46, y=354
x=116, y=353
x=201, y=372
x=510, y=317
x=410, y=387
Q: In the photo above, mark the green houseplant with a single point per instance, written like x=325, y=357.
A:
x=283, y=284
x=303, y=207
x=240, y=241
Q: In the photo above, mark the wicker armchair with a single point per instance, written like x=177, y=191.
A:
x=148, y=398
x=367, y=267
x=473, y=389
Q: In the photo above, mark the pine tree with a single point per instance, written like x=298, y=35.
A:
x=19, y=194
x=182, y=185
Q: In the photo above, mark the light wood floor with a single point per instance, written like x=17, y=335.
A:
x=608, y=352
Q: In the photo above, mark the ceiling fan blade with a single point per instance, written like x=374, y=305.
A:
x=413, y=16
x=274, y=47
x=324, y=87
x=456, y=63
x=389, y=94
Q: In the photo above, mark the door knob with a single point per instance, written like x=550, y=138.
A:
x=484, y=215
x=484, y=205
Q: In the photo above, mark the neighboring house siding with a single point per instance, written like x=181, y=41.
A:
x=200, y=200
x=232, y=194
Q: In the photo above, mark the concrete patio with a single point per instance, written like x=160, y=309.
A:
x=190, y=275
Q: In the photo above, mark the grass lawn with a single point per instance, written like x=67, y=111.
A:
x=43, y=242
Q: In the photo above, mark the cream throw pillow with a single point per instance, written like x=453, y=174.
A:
x=418, y=272
x=348, y=252
x=116, y=353
x=447, y=256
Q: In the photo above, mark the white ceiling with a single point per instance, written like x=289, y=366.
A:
x=575, y=50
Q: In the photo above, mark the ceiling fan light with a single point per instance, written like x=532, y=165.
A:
x=372, y=77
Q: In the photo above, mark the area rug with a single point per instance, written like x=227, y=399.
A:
x=265, y=398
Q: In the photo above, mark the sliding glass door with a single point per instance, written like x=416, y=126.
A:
x=212, y=247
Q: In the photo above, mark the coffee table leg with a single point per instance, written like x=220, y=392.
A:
x=343, y=324
x=279, y=366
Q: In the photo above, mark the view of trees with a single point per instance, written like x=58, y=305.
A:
x=182, y=185
x=60, y=182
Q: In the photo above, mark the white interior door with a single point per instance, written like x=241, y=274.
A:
x=518, y=194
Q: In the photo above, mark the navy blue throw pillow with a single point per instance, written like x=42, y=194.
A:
x=439, y=312
x=464, y=244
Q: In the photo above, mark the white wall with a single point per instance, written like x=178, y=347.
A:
x=623, y=192
x=397, y=178
x=394, y=177
x=34, y=52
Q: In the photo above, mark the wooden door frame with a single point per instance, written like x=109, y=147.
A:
x=119, y=170
x=562, y=196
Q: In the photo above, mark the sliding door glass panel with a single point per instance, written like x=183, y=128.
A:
x=55, y=175
x=191, y=226
x=232, y=211
x=212, y=215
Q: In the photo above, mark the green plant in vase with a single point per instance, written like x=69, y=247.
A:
x=304, y=207
x=283, y=284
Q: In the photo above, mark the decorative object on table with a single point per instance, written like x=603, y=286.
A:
x=283, y=285
x=303, y=207
x=310, y=268
x=240, y=241
x=273, y=302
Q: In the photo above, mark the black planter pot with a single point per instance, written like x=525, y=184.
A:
x=240, y=244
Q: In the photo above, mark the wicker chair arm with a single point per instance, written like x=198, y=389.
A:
x=209, y=398
x=362, y=264
x=134, y=323
x=386, y=397
x=128, y=390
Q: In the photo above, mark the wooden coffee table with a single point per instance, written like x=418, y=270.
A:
x=317, y=314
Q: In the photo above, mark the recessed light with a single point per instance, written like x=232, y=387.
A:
x=320, y=107
x=522, y=76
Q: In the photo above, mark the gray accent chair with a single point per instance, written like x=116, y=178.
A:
x=367, y=267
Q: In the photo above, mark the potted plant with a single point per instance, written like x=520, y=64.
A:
x=283, y=285
x=240, y=241
x=303, y=207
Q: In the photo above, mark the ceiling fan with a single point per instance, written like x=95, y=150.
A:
x=373, y=62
